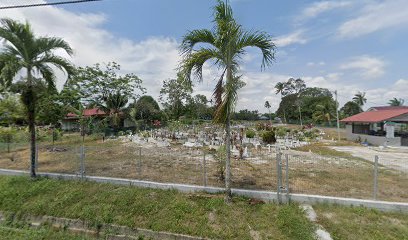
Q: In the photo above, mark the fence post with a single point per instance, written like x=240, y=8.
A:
x=279, y=175
x=82, y=159
x=204, y=170
x=375, y=190
x=287, y=177
x=36, y=157
x=139, y=164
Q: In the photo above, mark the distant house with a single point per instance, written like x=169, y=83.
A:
x=71, y=120
x=386, y=125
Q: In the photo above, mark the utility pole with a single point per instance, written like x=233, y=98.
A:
x=337, y=116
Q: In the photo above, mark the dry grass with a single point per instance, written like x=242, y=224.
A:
x=330, y=173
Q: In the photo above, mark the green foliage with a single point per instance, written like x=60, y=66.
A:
x=146, y=109
x=269, y=137
x=249, y=133
x=281, y=132
x=396, y=102
x=12, y=110
x=350, y=108
x=246, y=114
x=220, y=156
x=7, y=134
x=308, y=101
x=174, y=95
x=96, y=84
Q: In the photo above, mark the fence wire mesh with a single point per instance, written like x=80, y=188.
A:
x=307, y=173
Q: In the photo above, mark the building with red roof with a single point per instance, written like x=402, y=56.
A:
x=71, y=120
x=386, y=125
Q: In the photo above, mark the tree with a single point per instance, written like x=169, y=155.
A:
x=396, y=102
x=280, y=86
x=350, y=108
x=22, y=50
x=114, y=105
x=95, y=85
x=360, y=98
x=225, y=44
x=145, y=109
x=174, y=95
x=324, y=112
x=268, y=106
x=11, y=110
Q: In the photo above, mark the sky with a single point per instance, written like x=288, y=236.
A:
x=348, y=46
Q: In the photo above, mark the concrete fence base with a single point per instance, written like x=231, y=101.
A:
x=262, y=195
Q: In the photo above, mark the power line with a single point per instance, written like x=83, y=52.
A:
x=47, y=4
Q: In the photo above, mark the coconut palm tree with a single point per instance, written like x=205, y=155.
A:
x=225, y=45
x=114, y=105
x=324, y=112
x=360, y=98
x=23, y=51
x=396, y=102
x=268, y=106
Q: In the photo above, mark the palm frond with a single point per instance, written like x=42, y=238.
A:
x=194, y=37
x=193, y=63
x=229, y=100
x=48, y=44
x=262, y=41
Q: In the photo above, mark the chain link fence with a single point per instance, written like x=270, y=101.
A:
x=268, y=169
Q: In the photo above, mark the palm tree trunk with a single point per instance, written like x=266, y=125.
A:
x=31, y=122
x=228, y=194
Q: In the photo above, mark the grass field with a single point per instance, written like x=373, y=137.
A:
x=192, y=214
x=200, y=214
x=356, y=223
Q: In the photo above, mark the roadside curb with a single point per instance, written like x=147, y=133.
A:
x=108, y=230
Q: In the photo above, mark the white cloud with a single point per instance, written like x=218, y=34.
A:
x=375, y=17
x=317, y=8
x=292, y=38
x=153, y=59
x=312, y=64
x=368, y=67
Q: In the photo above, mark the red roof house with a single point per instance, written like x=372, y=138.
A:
x=386, y=125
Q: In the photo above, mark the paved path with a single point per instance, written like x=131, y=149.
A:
x=393, y=158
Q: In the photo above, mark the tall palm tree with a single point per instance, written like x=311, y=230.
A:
x=268, y=106
x=360, y=98
x=225, y=44
x=23, y=50
x=280, y=88
x=396, y=102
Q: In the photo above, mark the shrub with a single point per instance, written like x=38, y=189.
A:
x=269, y=137
x=281, y=132
x=250, y=133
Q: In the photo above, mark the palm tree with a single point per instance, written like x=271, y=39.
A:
x=225, y=44
x=360, y=98
x=324, y=113
x=22, y=50
x=280, y=88
x=396, y=102
x=114, y=105
x=268, y=106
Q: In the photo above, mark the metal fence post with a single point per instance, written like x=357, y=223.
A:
x=82, y=163
x=375, y=190
x=204, y=170
x=287, y=176
x=36, y=157
x=279, y=175
x=139, y=164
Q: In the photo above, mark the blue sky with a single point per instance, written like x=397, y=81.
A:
x=347, y=46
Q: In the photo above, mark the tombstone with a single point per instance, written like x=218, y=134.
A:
x=246, y=153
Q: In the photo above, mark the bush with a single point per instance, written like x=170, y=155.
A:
x=250, y=133
x=269, y=137
x=281, y=132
